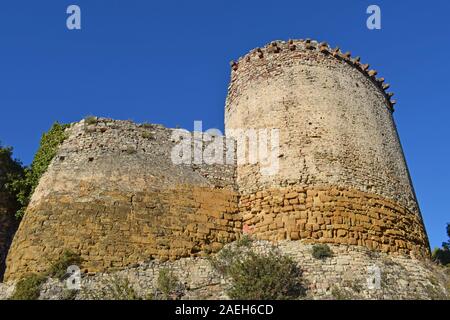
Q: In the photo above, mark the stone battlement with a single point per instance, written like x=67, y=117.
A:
x=269, y=60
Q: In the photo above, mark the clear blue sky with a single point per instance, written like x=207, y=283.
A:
x=168, y=62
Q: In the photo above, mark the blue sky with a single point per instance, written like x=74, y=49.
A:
x=168, y=62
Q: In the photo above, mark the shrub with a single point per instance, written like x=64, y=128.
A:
x=259, y=276
x=121, y=289
x=321, y=251
x=441, y=256
x=131, y=150
x=147, y=135
x=265, y=277
x=224, y=259
x=24, y=185
x=342, y=294
x=245, y=241
x=90, y=120
x=116, y=288
x=168, y=283
x=58, y=269
x=28, y=288
x=147, y=125
x=10, y=171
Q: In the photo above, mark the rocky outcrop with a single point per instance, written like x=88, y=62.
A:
x=347, y=274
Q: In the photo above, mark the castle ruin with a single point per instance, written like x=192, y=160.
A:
x=113, y=194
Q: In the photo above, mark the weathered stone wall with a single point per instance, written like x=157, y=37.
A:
x=345, y=275
x=113, y=194
x=334, y=215
x=338, y=141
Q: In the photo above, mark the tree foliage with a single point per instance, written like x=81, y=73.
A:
x=442, y=255
x=10, y=170
x=23, y=186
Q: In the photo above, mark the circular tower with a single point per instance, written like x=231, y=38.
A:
x=341, y=176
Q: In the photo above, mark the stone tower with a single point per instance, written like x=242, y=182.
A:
x=342, y=176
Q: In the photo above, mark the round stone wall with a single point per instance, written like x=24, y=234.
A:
x=342, y=176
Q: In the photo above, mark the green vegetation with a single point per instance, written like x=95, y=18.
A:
x=131, y=150
x=147, y=135
x=23, y=186
x=58, y=269
x=29, y=287
x=442, y=255
x=121, y=289
x=245, y=241
x=168, y=283
x=259, y=276
x=147, y=125
x=89, y=120
x=321, y=251
x=265, y=276
x=342, y=293
x=115, y=288
x=10, y=170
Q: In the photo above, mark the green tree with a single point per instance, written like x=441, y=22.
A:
x=442, y=255
x=10, y=170
x=446, y=245
x=22, y=186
